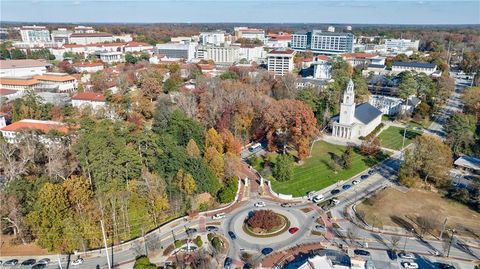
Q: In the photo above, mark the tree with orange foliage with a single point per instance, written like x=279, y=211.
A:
x=231, y=143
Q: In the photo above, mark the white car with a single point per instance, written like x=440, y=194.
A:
x=355, y=182
x=77, y=261
x=260, y=204
x=406, y=255
x=218, y=216
x=410, y=265
x=317, y=198
x=335, y=201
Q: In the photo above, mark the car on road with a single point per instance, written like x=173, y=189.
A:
x=293, y=230
x=346, y=187
x=254, y=147
x=285, y=205
x=191, y=231
x=364, y=176
x=355, y=182
x=319, y=228
x=334, y=191
x=317, y=198
x=310, y=195
x=260, y=204
x=441, y=265
x=410, y=265
x=39, y=266
x=406, y=255
x=227, y=263
x=392, y=254
x=361, y=252
x=211, y=229
x=12, y=262
x=232, y=235
x=28, y=262
x=218, y=216
x=78, y=261
x=267, y=251
x=44, y=261
x=334, y=201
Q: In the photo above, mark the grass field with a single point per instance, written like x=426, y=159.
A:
x=395, y=208
x=392, y=137
x=316, y=172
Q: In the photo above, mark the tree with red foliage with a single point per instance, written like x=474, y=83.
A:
x=264, y=219
x=370, y=146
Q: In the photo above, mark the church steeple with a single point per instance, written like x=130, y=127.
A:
x=347, y=108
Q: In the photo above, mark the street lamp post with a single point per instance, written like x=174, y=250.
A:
x=451, y=240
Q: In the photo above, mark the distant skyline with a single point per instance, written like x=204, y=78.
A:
x=242, y=11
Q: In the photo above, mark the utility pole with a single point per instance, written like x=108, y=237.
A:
x=105, y=243
x=450, y=244
x=59, y=262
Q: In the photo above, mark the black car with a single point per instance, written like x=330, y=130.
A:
x=361, y=252
x=392, y=254
x=228, y=262
x=29, y=262
x=335, y=191
x=39, y=266
x=267, y=251
x=364, y=176
x=285, y=205
x=346, y=187
x=212, y=229
x=440, y=265
x=10, y=262
x=232, y=235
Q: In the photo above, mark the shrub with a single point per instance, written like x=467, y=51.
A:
x=178, y=243
x=203, y=207
x=264, y=219
x=210, y=236
x=198, y=241
x=143, y=262
x=283, y=168
x=216, y=243
x=227, y=194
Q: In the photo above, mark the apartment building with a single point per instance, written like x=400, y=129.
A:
x=215, y=38
x=219, y=54
x=280, y=61
x=323, y=42
x=176, y=50
x=35, y=34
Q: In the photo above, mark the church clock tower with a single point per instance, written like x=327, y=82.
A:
x=347, y=108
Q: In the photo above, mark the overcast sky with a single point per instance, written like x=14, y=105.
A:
x=276, y=11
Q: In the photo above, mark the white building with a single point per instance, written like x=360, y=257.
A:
x=355, y=121
x=18, y=84
x=215, y=38
x=280, y=61
x=252, y=53
x=22, y=68
x=331, y=29
x=393, y=105
x=11, y=132
x=110, y=56
x=90, y=38
x=138, y=47
x=426, y=68
x=323, y=42
x=322, y=68
x=279, y=40
x=61, y=35
x=219, y=54
x=35, y=34
x=88, y=67
x=401, y=45
x=176, y=50
x=56, y=82
x=3, y=122
x=93, y=100
x=357, y=59
x=80, y=29
x=249, y=33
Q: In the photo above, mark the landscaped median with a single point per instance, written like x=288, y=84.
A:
x=318, y=171
x=265, y=223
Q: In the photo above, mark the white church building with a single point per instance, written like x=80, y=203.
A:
x=354, y=121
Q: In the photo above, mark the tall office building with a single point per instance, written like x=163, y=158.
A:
x=323, y=42
x=280, y=61
x=34, y=34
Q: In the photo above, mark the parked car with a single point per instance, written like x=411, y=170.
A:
x=317, y=198
x=218, y=216
x=39, y=266
x=410, y=265
x=406, y=255
x=285, y=205
x=267, y=251
x=334, y=201
x=319, y=228
x=355, y=182
x=12, y=262
x=334, y=191
x=247, y=266
x=232, y=235
x=260, y=204
x=78, y=261
x=364, y=176
x=293, y=230
x=44, y=261
x=191, y=231
x=361, y=252
x=227, y=263
x=441, y=265
x=29, y=262
x=212, y=229
x=392, y=254
x=310, y=195
x=346, y=187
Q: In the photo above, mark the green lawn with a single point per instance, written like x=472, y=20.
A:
x=392, y=137
x=316, y=173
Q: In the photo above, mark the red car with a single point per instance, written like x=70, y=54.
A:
x=293, y=230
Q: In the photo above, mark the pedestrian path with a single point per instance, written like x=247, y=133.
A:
x=201, y=224
x=328, y=226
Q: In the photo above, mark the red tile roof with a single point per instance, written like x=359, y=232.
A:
x=322, y=58
x=7, y=91
x=18, y=81
x=43, y=126
x=282, y=51
x=357, y=55
x=137, y=44
x=89, y=96
x=56, y=78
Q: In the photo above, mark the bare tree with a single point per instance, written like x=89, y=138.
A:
x=395, y=240
x=427, y=223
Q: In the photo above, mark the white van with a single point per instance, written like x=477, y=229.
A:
x=254, y=147
x=218, y=216
x=317, y=198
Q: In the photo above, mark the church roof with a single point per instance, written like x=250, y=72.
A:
x=365, y=113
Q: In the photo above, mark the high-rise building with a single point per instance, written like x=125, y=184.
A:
x=323, y=42
x=34, y=34
x=280, y=61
